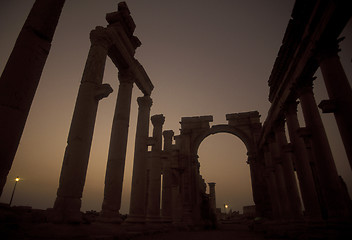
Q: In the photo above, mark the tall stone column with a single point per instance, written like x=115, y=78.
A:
x=74, y=167
x=167, y=198
x=295, y=207
x=339, y=91
x=305, y=134
x=117, y=150
x=280, y=178
x=332, y=189
x=138, y=189
x=153, y=205
x=271, y=183
x=259, y=187
x=21, y=75
x=303, y=169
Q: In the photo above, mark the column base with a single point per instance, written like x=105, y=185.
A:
x=154, y=219
x=166, y=219
x=66, y=210
x=135, y=223
x=110, y=217
x=138, y=219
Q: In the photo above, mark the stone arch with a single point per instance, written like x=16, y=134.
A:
x=223, y=128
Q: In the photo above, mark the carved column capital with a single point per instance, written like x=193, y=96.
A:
x=158, y=120
x=145, y=101
x=304, y=85
x=168, y=134
x=99, y=37
x=327, y=48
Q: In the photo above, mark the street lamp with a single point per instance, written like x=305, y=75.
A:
x=226, y=207
x=14, y=188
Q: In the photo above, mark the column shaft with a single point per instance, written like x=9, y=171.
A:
x=304, y=172
x=327, y=171
x=272, y=186
x=74, y=167
x=339, y=91
x=21, y=75
x=280, y=178
x=259, y=187
x=117, y=150
x=153, y=205
x=138, y=190
x=295, y=209
x=167, y=178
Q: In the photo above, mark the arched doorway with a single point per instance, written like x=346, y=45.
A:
x=222, y=159
x=247, y=127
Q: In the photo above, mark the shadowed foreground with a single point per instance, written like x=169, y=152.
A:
x=230, y=231
x=25, y=223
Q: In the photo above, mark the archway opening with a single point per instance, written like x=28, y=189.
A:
x=222, y=160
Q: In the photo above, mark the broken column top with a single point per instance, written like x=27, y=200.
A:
x=123, y=17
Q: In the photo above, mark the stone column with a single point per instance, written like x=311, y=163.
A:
x=280, y=178
x=271, y=183
x=212, y=196
x=327, y=171
x=339, y=91
x=295, y=208
x=138, y=190
x=259, y=188
x=167, y=178
x=168, y=135
x=74, y=167
x=21, y=75
x=117, y=150
x=153, y=205
x=305, y=134
x=304, y=172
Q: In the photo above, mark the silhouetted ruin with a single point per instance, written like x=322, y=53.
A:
x=310, y=42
